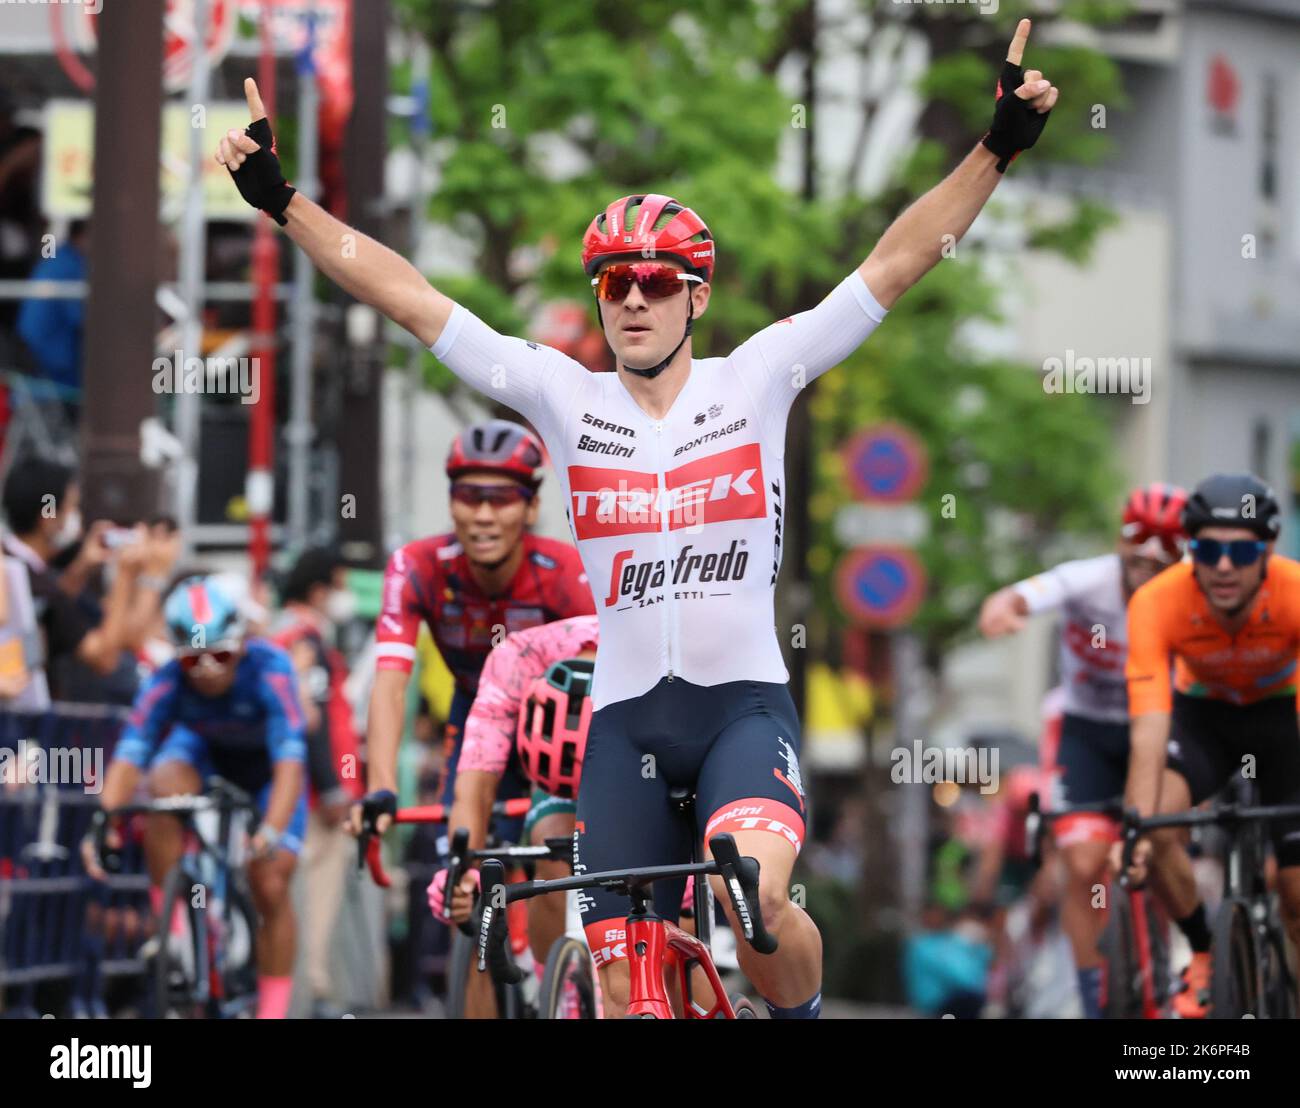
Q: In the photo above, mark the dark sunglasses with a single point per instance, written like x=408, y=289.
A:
x=189, y=659
x=499, y=496
x=1241, y=552
x=655, y=280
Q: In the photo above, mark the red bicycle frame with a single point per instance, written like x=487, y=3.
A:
x=654, y=945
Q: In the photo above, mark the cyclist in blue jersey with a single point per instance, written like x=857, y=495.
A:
x=672, y=469
x=226, y=706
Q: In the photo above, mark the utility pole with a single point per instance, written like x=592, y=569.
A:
x=120, y=313
x=301, y=430
x=796, y=525
x=193, y=266
x=359, y=429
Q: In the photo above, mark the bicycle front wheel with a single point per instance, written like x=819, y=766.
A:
x=1233, y=991
x=1121, y=996
x=463, y=973
x=179, y=954
x=1279, y=985
x=568, y=985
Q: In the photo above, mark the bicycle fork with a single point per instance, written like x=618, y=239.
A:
x=653, y=944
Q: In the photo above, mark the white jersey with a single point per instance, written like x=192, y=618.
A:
x=1090, y=593
x=678, y=521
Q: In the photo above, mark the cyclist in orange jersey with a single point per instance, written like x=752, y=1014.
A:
x=1230, y=622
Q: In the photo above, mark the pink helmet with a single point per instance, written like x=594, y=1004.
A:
x=553, y=723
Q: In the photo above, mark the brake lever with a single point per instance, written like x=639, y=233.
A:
x=740, y=876
x=493, y=932
x=456, y=869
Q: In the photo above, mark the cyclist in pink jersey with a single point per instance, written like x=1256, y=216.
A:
x=509, y=676
x=672, y=469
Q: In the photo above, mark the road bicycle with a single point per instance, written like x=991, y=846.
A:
x=1250, y=975
x=652, y=944
x=567, y=986
x=1136, y=982
x=202, y=956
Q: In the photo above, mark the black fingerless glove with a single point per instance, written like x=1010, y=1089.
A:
x=1016, y=123
x=381, y=802
x=260, y=180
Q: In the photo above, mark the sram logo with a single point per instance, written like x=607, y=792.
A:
x=723, y=486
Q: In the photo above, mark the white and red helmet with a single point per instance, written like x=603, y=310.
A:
x=1155, y=511
x=649, y=226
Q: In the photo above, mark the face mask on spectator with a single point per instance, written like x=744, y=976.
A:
x=341, y=607
x=70, y=532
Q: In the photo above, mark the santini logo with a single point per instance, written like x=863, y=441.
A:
x=599, y=446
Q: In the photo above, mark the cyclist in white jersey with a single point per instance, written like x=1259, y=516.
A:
x=1092, y=595
x=672, y=472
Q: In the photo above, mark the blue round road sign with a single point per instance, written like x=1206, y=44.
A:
x=880, y=586
x=885, y=462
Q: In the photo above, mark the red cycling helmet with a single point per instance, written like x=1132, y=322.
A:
x=497, y=446
x=649, y=226
x=1155, y=511
x=553, y=723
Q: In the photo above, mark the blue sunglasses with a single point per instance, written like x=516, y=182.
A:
x=1241, y=552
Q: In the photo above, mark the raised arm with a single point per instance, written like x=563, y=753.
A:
x=916, y=240
x=359, y=265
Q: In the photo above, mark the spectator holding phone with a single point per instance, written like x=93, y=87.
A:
x=90, y=598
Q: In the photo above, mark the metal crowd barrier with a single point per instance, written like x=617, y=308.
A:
x=64, y=939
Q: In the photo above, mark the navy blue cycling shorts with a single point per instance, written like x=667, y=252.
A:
x=736, y=744
x=251, y=774
x=1093, y=758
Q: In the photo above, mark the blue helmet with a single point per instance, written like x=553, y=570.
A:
x=200, y=613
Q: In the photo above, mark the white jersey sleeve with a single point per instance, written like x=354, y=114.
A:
x=793, y=352
x=1080, y=579
x=1093, y=648
x=537, y=381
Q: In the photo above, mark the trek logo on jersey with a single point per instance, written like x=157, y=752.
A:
x=1093, y=650
x=721, y=487
x=629, y=580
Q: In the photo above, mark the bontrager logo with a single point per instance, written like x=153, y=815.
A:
x=629, y=580
x=710, y=436
x=724, y=486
